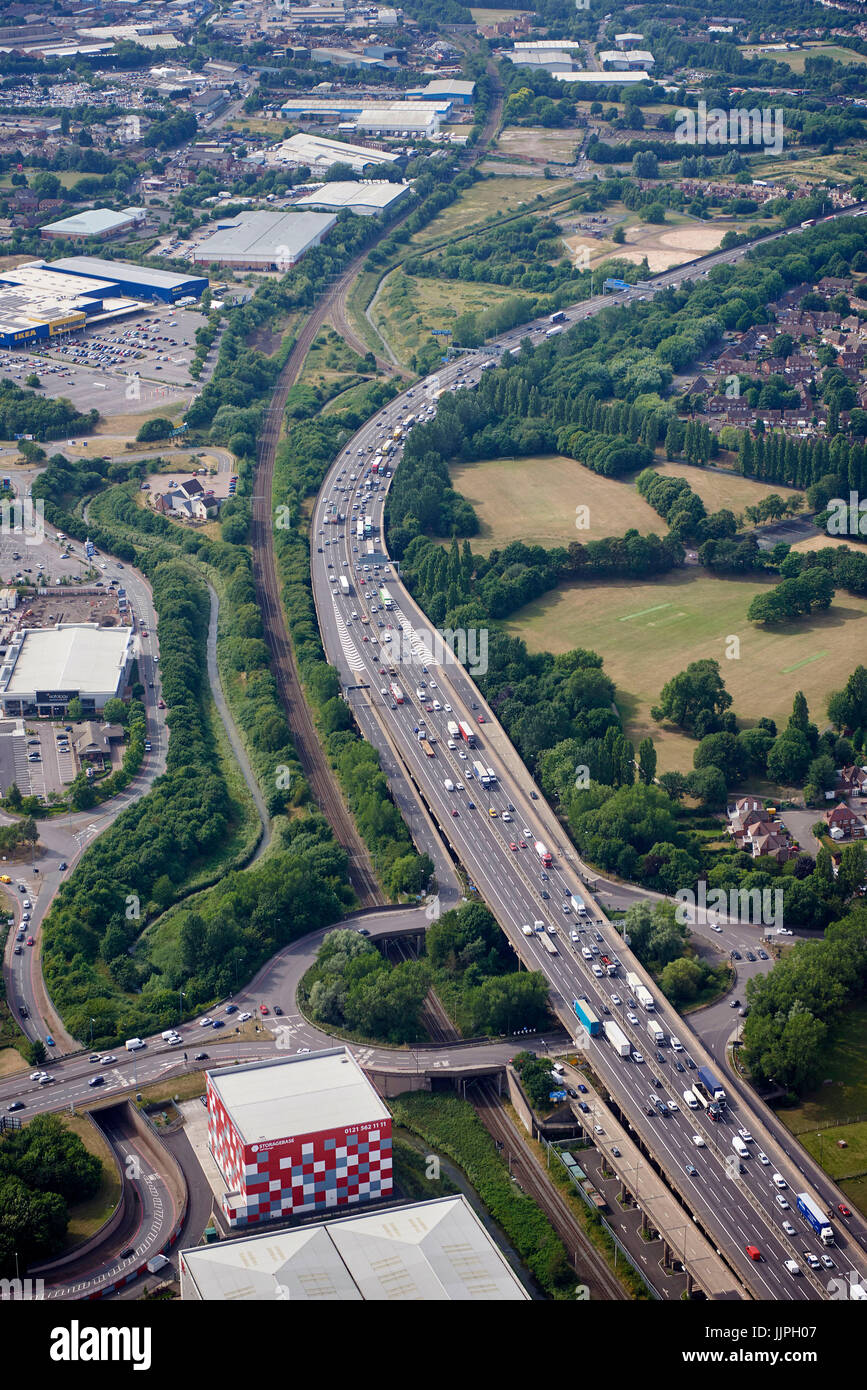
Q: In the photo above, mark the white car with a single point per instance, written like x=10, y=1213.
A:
x=698, y=1141
x=781, y=1202
x=597, y=1129
x=792, y=1268
x=37, y=1075
x=108, y=1060
x=205, y=1022
x=763, y=1157
x=574, y=936
x=672, y=1104
x=788, y=1228
x=615, y=999
x=780, y=1181
x=243, y=1018
x=714, y=926
x=637, y=1057
x=447, y=708
x=632, y=1019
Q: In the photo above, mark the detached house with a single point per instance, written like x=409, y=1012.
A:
x=852, y=781
x=844, y=824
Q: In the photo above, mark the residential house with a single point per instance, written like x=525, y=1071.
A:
x=845, y=824
x=852, y=781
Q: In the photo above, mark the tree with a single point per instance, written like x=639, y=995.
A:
x=681, y=980
x=157, y=428
x=75, y=710
x=722, y=750
x=697, y=690
x=115, y=711
x=789, y=758
x=852, y=873
x=36, y=1052
x=646, y=761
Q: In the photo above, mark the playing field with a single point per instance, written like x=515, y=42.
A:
x=535, y=499
x=647, y=632
x=718, y=490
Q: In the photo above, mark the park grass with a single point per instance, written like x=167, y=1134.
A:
x=534, y=500
x=408, y=307
x=647, y=631
x=718, y=490
x=85, y=1218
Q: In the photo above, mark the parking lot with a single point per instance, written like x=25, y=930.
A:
x=23, y=554
x=116, y=367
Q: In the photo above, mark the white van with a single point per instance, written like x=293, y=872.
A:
x=689, y=1098
x=134, y=1044
x=740, y=1147
x=558, y=1069
x=449, y=785
x=676, y=1044
x=527, y=929
x=167, y=1035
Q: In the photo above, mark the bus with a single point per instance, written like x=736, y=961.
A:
x=549, y=945
x=359, y=530
x=385, y=598
x=368, y=525
x=426, y=748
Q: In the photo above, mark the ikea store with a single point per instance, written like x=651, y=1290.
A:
x=45, y=299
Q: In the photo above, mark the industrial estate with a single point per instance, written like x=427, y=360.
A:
x=433, y=707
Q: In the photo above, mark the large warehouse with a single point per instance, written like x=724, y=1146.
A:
x=44, y=668
x=367, y=199
x=95, y=222
x=129, y=279
x=425, y=1252
x=263, y=240
x=36, y=303
x=318, y=153
x=298, y=1135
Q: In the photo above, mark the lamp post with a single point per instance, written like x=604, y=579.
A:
x=181, y=998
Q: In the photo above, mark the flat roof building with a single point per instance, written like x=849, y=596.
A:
x=366, y=199
x=45, y=668
x=36, y=304
x=627, y=62
x=609, y=79
x=448, y=88
x=318, y=153
x=298, y=1135
x=138, y=280
x=264, y=240
x=95, y=222
x=424, y=1252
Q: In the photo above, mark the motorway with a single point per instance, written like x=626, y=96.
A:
x=509, y=879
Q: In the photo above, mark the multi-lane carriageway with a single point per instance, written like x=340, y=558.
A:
x=733, y=1211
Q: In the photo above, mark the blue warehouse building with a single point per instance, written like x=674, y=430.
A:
x=137, y=281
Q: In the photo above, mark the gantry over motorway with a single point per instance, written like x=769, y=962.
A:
x=733, y=1209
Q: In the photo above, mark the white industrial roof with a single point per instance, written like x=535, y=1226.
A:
x=445, y=86
x=318, y=150
x=635, y=55
x=565, y=44
x=120, y=270
x=94, y=221
x=436, y=1251
x=611, y=79
x=298, y=1095
x=80, y=657
x=350, y=194
x=266, y=237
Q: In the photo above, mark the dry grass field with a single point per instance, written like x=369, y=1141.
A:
x=408, y=307
x=538, y=142
x=484, y=200
x=647, y=632
x=535, y=499
x=719, y=490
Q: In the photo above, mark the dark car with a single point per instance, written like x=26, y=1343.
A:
x=763, y=955
x=690, y=1063
x=678, y=1066
x=278, y=1010
x=582, y=1088
x=544, y=894
x=657, y=1083
x=218, y=1023
x=231, y=1008
x=660, y=1056
x=200, y=1057
x=573, y=1095
x=63, y=865
x=584, y=1107
x=750, y=955
x=96, y=1081
x=16, y=1105
x=125, y=1254
x=736, y=955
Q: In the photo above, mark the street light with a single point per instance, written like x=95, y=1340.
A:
x=181, y=997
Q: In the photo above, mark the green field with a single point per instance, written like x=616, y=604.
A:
x=820, y=1120
x=797, y=60
x=648, y=631
x=535, y=499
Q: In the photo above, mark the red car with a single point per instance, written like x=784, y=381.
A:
x=30, y=941
x=454, y=811
x=263, y=1008
x=161, y=704
x=481, y=718
x=514, y=847
x=523, y=844
x=754, y=1252
x=843, y=1209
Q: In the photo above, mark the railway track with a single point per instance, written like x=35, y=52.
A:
x=311, y=755
x=533, y=1179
